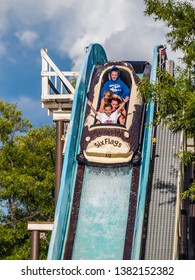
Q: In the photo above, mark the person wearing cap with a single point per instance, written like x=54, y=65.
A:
x=115, y=84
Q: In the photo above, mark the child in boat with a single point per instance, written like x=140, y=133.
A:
x=108, y=95
x=115, y=84
x=108, y=117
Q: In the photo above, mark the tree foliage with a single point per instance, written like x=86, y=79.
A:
x=175, y=96
x=73, y=81
x=27, y=163
x=179, y=16
x=11, y=122
x=190, y=193
x=176, y=101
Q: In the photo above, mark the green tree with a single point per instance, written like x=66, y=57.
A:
x=27, y=163
x=179, y=16
x=73, y=81
x=176, y=96
x=11, y=122
x=176, y=101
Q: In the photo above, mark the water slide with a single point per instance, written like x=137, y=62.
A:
x=98, y=207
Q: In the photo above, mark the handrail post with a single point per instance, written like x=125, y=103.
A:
x=45, y=68
x=59, y=156
x=35, y=241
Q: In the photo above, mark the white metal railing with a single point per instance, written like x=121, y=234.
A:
x=54, y=81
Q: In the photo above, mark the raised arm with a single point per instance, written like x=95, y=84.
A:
x=92, y=108
x=123, y=103
x=103, y=102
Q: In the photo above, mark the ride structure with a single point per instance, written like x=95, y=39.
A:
x=100, y=211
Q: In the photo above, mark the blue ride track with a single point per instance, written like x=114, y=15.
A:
x=90, y=240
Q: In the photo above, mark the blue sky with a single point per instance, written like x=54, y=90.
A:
x=65, y=27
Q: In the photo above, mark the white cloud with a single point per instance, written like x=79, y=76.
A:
x=121, y=28
x=68, y=26
x=27, y=37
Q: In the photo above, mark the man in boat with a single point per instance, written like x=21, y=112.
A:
x=115, y=84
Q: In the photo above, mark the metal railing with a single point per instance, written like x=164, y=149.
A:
x=55, y=83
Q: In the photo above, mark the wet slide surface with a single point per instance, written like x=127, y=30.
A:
x=103, y=214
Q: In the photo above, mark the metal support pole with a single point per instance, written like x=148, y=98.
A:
x=35, y=240
x=59, y=156
x=191, y=232
x=183, y=239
